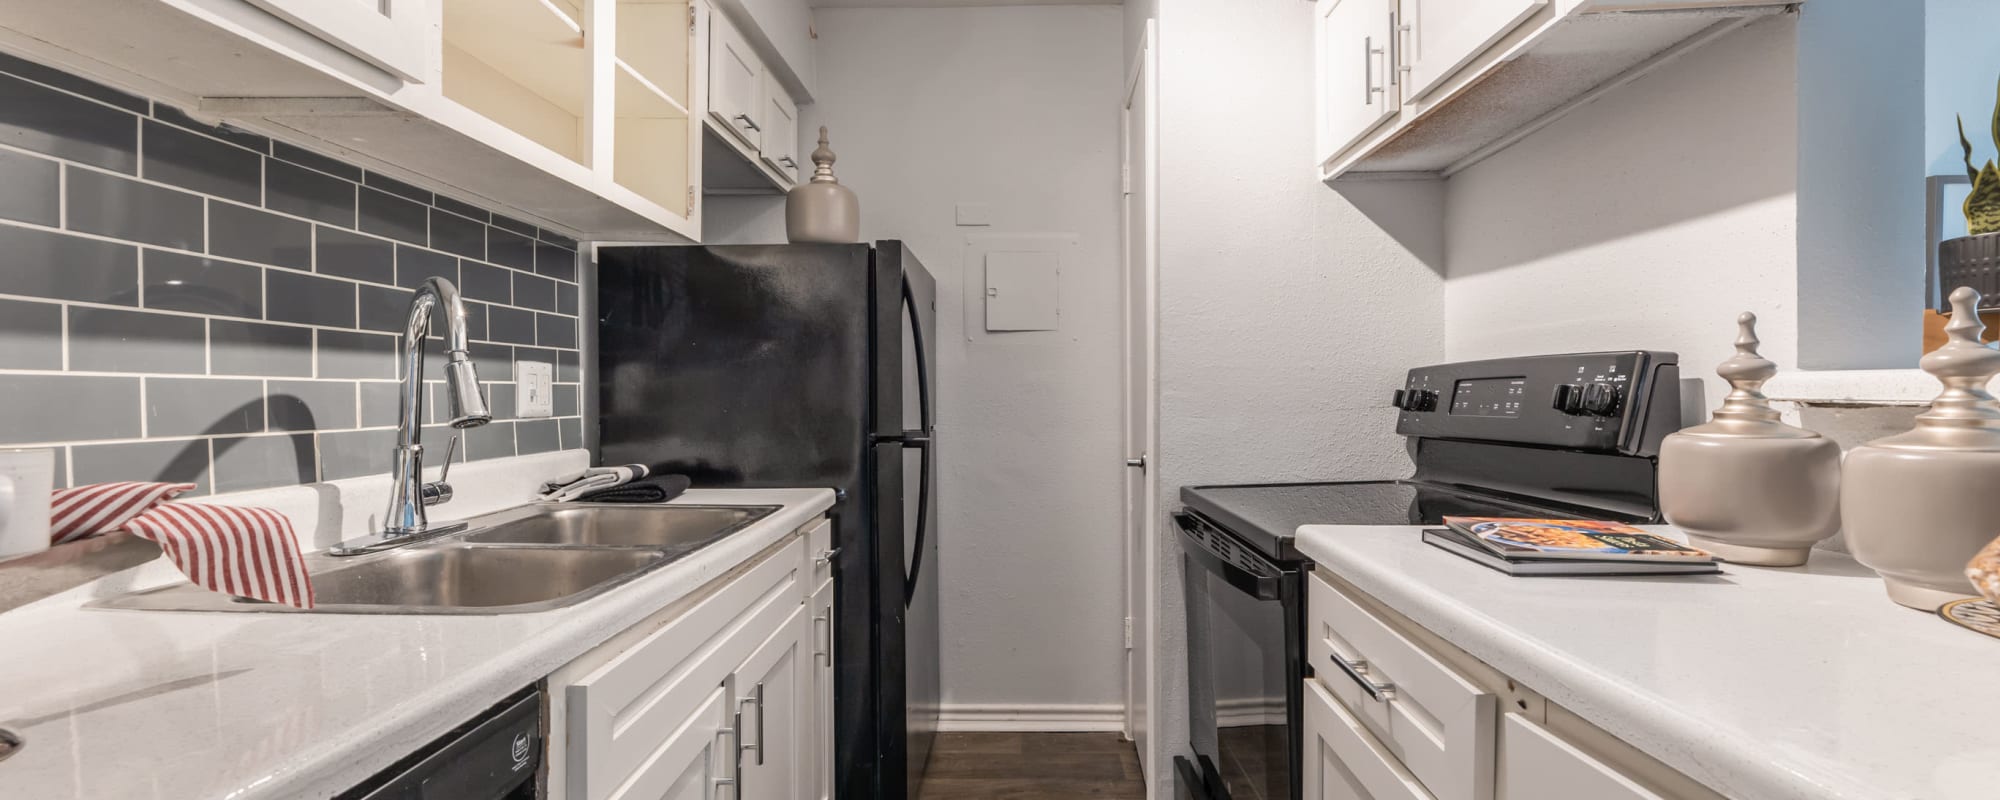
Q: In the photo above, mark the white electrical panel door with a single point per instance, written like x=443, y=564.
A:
x=1022, y=291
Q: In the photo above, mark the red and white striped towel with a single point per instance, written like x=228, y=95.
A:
x=247, y=552
x=87, y=511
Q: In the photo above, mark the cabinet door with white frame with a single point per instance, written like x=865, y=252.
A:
x=772, y=711
x=820, y=763
x=395, y=35
x=1357, y=74
x=1439, y=36
x=735, y=82
x=780, y=149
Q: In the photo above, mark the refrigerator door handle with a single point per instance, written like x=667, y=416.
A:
x=920, y=439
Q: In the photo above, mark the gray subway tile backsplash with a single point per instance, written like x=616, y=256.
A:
x=182, y=282
x=314, y=195
x=116, y=340
x=308, y=299
x=256, y=462
x=30, y=335
x=59, y=266
x=32, y=188
x=127, y=209
x=261, y=236
x=312, y=405
x=255, y=348
x=40, y=119
x=399, y=218
x=65, y=408
x=353, y=255
x=200, y=163
x=203, y=406
x=173, y=461
x=192, y=302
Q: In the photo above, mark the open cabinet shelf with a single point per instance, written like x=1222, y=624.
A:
x=650, y=153
x=524, y=65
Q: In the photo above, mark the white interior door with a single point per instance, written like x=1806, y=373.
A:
x=1141, y=391
x=392, y=34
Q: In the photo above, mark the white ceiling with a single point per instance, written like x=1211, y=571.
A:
x=954, y=3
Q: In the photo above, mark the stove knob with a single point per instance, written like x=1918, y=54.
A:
x=1397, y=400
x=1568, y=399
x=1600, y=399
x=1428, y=401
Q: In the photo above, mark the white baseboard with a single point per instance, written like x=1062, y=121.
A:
x=953, y=718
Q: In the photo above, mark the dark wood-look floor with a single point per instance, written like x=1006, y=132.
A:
x=1033, y=766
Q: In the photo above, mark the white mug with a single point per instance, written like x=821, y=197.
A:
x=26, y=479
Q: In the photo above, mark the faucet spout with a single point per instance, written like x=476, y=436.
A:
x=437, y=300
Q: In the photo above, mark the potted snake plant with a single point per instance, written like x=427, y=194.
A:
x=1974, y=260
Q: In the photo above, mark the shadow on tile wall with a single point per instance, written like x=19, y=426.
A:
x=191, y=303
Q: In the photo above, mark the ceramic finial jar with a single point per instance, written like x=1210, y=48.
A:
x=1746, y=486
x=1919, y=504
x=822, y=210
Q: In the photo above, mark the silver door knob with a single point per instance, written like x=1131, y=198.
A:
x=1139, y=462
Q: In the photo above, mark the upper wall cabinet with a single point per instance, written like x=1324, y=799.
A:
x=392, y=34
x=755, y=141
x=1447, y=83
x=585, y=116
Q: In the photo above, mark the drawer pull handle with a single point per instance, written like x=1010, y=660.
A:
x=825, y=557
x=822, y=651
x=1378, y=692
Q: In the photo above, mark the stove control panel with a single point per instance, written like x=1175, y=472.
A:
x=1618, y=402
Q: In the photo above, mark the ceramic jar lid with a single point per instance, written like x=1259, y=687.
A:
x=1964, y=416
x=1746, y=412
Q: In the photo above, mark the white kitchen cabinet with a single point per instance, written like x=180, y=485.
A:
x=773, y=715
x=1426, y=88
x=1343, y=761
x=780, y=146
x=735, y=83
x=1536, y=764
x=1356, y=69
x=1440, y=36
x=396, y=35
x=717, y=690
x=820, y=751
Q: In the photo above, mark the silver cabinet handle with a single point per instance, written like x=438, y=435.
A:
x=757, y=697
x=788, y=162
x=1139, y=462
x=718, y=784
x=1395, y=62
x=748, y=122
x=1368, y=53
x=825, y=651
x=1378, y=692
x=825, y=557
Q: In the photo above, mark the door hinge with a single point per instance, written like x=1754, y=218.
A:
x=1128, y=633
x=1125, y=178
x=690, y=203
x=690, y=18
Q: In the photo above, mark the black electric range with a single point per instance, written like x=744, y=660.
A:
x=1565, y=436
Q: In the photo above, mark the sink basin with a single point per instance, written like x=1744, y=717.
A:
x=476, y=577
x=679, y=528
x=533, y=558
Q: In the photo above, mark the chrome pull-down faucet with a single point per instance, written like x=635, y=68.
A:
x=405, y=521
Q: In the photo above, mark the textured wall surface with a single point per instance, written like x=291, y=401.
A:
x=1017, y=109
x=1645, y=220
x=1288, y=310
x=180, y=302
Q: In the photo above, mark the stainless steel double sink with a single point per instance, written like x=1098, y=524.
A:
x=532, y=558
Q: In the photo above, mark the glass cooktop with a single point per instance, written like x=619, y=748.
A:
x=1267, y=516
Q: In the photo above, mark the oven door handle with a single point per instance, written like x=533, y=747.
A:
x=1261, y=586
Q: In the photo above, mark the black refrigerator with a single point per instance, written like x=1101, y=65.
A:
x=802, y=365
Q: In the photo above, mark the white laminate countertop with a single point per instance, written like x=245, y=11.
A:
x=176, y=705
x=1764, y=684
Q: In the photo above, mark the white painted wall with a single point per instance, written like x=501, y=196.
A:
x=1647, y=219
x=1017, y=108
x=1288, y=310
x=743, y=219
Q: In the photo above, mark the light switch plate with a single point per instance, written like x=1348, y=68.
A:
x=534, y=396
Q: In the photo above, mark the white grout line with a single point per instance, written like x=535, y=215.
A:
x=264, y=434
x=63, y=336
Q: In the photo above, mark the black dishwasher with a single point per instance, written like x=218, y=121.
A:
x=494, y=756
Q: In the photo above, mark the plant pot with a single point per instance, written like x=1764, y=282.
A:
x=1969, y=261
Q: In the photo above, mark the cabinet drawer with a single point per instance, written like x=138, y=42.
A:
x=819, y=555
x=620, y=715
x=1535, y=764
x=1343, y=761
x=1435, y=721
